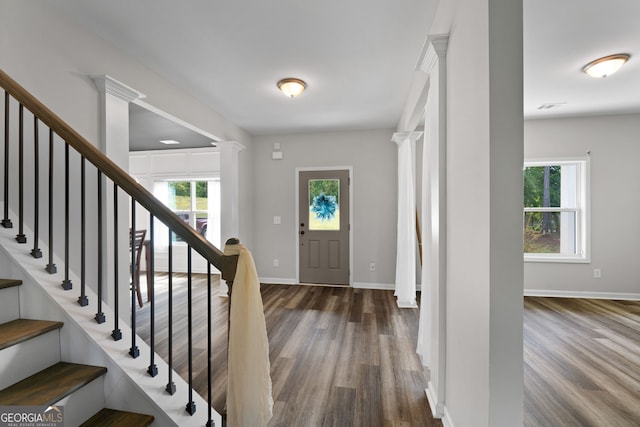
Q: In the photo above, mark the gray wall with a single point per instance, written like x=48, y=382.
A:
x=374, y=160
x=614, y=143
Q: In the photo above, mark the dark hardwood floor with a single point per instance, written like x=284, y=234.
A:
x=582, y=362
x=339, y=356
x=346, y=357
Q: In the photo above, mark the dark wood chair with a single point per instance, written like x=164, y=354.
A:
x=138, y=244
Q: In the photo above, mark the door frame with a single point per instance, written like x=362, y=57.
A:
x=297, y=214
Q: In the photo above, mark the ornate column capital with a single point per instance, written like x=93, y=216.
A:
x=233, y=145
x=111, y=86
x=435, y=49
x=400, y=137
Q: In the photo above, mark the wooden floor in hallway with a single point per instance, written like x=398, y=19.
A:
x=339, y=356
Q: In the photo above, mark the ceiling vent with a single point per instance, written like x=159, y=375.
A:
x=551, y=105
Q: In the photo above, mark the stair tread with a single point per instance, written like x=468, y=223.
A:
x=19, y=330
x=50, y=385
x=7, y=283
x=111, y=417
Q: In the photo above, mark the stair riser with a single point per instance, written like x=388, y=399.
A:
x=9, y=304
x=83, y=403
x=29, y=357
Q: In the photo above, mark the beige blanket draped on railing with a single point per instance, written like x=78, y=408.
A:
x=249, y=400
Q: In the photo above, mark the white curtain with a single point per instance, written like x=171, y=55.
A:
x=424, y=336
x=406, y=246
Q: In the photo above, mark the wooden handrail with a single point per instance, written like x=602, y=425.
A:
x=119, y=176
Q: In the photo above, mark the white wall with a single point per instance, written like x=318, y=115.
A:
x=484, y=361
x=374, y=185
x=615, y=204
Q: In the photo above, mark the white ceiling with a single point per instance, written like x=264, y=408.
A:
x=561, y=37
x=357, y=56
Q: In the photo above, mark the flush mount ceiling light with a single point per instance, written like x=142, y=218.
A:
x=292, y=87
x=169, y=141
x=606, y=66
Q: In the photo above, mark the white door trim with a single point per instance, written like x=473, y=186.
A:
x=297, y=215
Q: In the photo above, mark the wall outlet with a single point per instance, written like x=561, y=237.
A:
x=276, y=263
x=372, y=266
x=597, y=273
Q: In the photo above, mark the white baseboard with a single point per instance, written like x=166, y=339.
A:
x=437, y=408
x=278, y=281
x=581, y=294
x=379, y=286
x=356, y=285
x=407, y=304
x=446, y=420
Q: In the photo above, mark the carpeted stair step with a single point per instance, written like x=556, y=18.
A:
x=19, y=330
x=111, y=417
x=50, y=385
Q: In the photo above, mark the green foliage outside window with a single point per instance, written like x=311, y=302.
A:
x=330, y=187
x=535, y=188
x=542, y=189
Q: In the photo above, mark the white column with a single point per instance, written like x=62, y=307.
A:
x=432, y=325
x=114, y=142
x=229, y=194
x=406, y=247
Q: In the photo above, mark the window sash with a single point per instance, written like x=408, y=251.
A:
x=576, y=210
x=580, y=211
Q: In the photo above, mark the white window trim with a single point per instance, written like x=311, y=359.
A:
x=192, y=179
x=584, y=201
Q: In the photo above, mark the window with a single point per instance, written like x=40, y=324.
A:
x=555, y=210
x=188, y=199
x=324, y=204
x=196, y=202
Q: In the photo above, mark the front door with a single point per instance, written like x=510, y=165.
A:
x=324, y=226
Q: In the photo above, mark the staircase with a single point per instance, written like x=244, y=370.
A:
x=86, y=347
x=34, y=375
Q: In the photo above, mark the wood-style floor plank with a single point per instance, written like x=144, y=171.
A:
x=582, y=362
x=344, y=356
x=339, y=356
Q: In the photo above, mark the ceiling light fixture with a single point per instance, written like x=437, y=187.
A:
x=292, y=87
x=169, y=141
x=606, y=66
